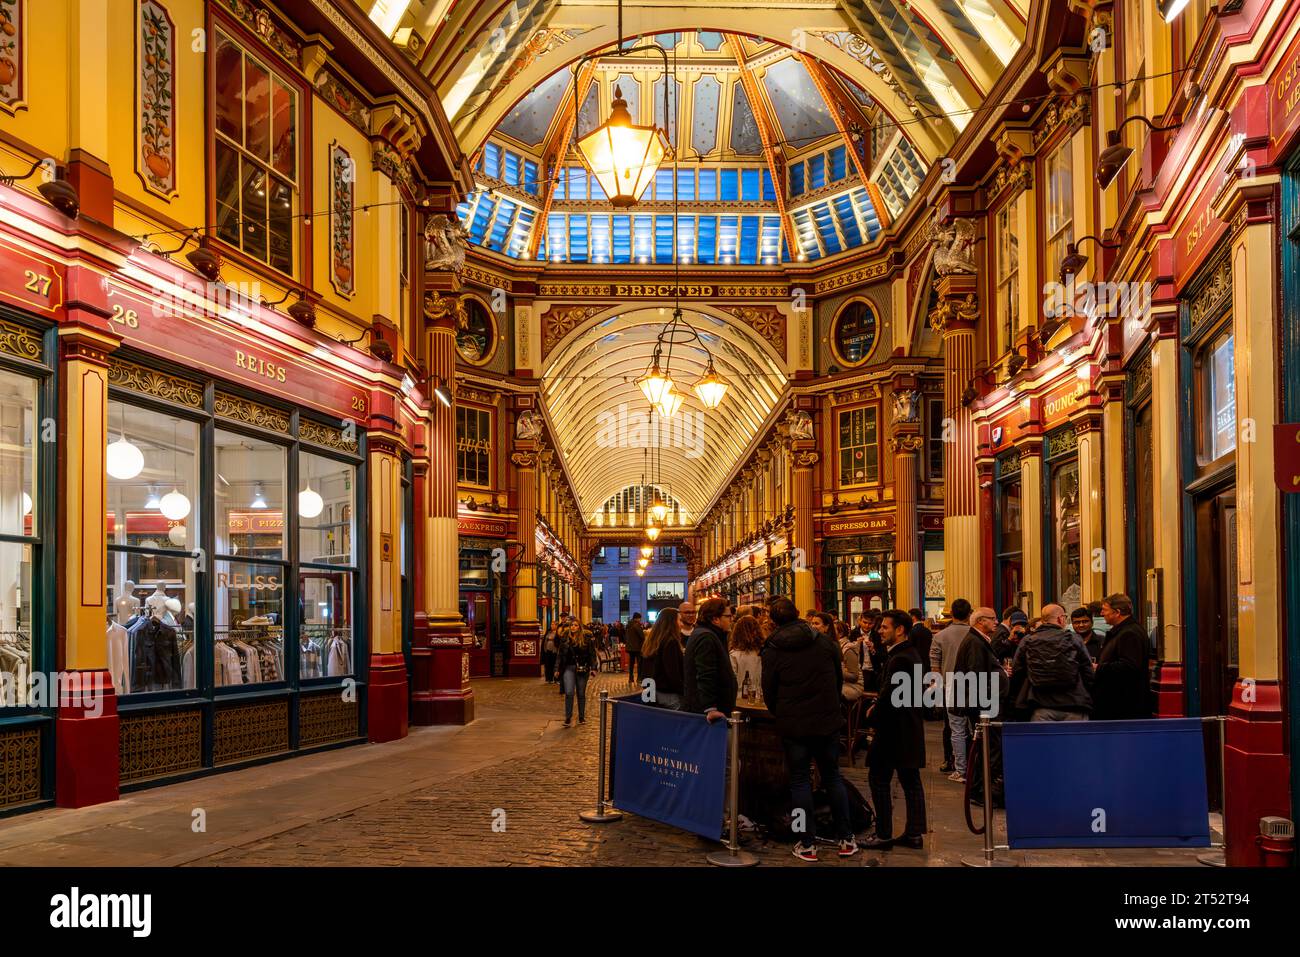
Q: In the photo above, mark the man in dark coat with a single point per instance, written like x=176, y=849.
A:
x=899, y=745
x=709, y=683
x=802, y=674
x=979, y=685
x=1122, y=688
x=634, y=640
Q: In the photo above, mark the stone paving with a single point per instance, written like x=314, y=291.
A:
x=503, y=791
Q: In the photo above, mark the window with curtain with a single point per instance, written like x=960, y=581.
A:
x=255, y=155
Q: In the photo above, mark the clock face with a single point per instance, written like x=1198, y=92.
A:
x=854, y=333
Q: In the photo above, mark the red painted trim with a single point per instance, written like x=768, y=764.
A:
x=1256, y=767
x=86, y=766
x=386, y=698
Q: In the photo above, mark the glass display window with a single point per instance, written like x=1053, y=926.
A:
x=152, y=527
x=326, y=510
x=1218, y=389
x=325, y=604
x=1067, y=560
x=250, y=497
x=248, y=623
x=18, y=506
x=19, y=535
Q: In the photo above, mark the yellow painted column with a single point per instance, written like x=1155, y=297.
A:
x=1094, y=556
x=524, y=625
x=1167, y=495
x=802, y=462
x=1256, y=751
x=88, y=110
x=86, y=729
x=1115, y=491
x=387, y=696
x=1033, y=513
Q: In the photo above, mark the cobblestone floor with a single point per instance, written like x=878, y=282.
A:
x=433, y=798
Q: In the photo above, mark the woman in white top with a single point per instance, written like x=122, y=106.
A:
x=744, y=645
x=853, y=686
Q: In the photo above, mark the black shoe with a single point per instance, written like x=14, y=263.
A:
x=915, y=843
x=875, y=842
x=947, y=768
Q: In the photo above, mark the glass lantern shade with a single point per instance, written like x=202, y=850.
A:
x=711, y=388
x=668, y=405
x=652, y=532
x=623, y=157
x=655, y=384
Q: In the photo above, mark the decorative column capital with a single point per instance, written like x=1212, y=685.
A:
x=955, y=314
x=804, y=459
x=524, y=460
x=446, y=312
x=906, y=443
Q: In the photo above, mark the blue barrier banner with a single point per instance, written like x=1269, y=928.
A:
x=1106, y=783
x=669, y=766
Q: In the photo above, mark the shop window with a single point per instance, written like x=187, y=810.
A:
x=473, y=446
x=248, y=620
x=1067, y=572
x=1059, y=212
x=934, y=436
x=1218, y=397
x=255, y=155
x=19, y=537
x=1010, y=537
x=153, y=529
x=327, y=565
x=1144, y=506
x=623, y=554
x=597, y=594
x=1008, y=275
x=666, y=591
x=859, y=446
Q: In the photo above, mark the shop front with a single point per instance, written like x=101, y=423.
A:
x=858, y=565
x=483, y=593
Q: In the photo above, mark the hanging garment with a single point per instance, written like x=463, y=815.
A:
x=338, y=663
x=187, y=666
x=119, y=658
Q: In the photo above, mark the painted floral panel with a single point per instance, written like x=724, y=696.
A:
x=156, y=98
x=342, y=200
x=12, y=54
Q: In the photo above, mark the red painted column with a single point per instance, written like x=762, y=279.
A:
x=442, y=694
x=1255, y=767
x=524, y=626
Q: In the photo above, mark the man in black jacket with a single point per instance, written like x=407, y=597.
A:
x=634, y=640
x=1122, y=688
x=980, y=685
x=802, y=675
x=709, y=683
x=899, y=745
x=1052, y=672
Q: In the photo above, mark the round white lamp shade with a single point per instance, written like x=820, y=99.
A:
x=310, y=504
x=177, y=534
x=174, y=505
x=124, y=460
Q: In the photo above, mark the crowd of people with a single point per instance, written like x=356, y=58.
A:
x=818, y=675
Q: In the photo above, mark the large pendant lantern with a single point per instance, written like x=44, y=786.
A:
x=623, y=157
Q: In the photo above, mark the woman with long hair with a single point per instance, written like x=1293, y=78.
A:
x=743, y=647
x=577, y=659
x=661, y=660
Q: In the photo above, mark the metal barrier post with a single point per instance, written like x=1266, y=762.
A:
x=1219, y=857
x=986, y=762
x=602, y=814
x=733, y=856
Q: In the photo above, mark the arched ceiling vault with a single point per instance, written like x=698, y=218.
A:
x=595, y=408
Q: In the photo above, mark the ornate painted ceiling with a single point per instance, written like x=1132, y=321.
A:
x=796, y=139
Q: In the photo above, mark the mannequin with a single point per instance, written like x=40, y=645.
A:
x=157, y=602
x=119, y=656
x=171, y=609
x=187, y=623
x=127, y=605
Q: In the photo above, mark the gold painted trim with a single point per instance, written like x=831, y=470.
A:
x=839, y=314
x=16, y=340
x=317, y=433
x=229, y=406
x=128, y=375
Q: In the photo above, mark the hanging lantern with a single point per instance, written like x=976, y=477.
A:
x=655, y=384
x=668, y=405
x=643, y=562
x=659, y=508
x=711, y=387
x=647, y=551
x=640, y=572
x=310, y=504
x=652, y=532
x=124, y=460
x=174, y=505
x=622, y=157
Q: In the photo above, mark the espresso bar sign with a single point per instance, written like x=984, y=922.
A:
x=878, y=523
